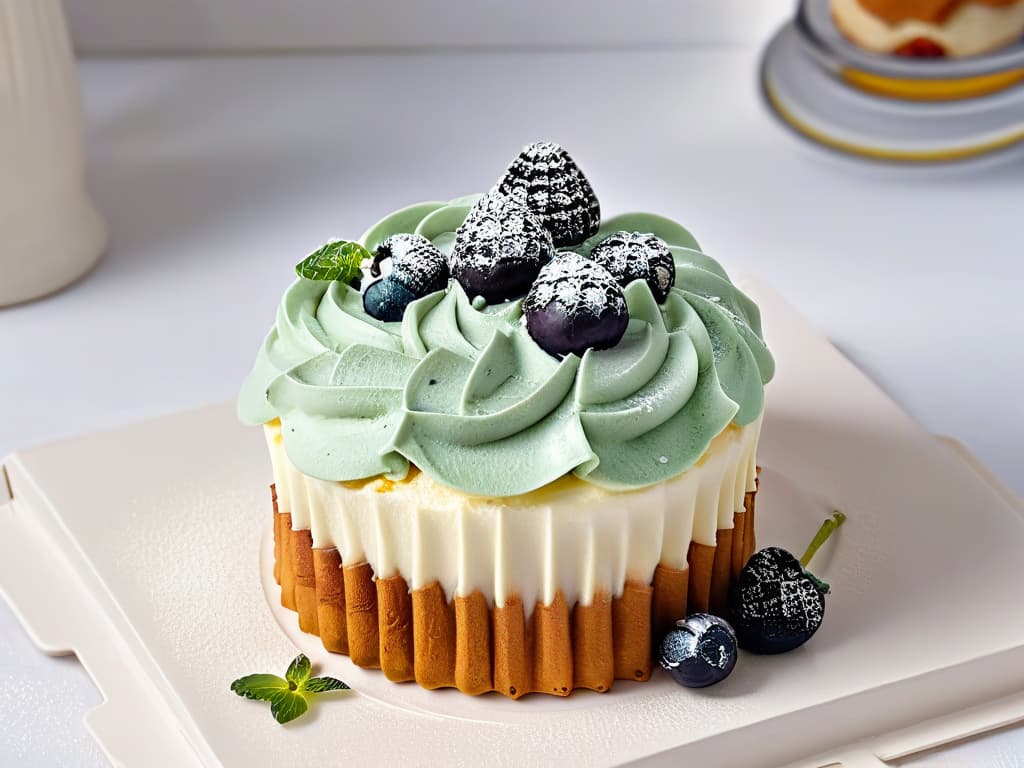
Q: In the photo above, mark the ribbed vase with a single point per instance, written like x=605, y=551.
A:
x=50, y=232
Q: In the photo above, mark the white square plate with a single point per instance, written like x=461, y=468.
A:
x=140, y=550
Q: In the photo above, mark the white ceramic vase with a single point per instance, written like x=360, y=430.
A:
x=50, y=232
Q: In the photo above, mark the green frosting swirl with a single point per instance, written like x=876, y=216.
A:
x=467, y=396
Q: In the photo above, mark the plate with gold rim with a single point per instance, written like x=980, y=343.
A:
x=817, y=106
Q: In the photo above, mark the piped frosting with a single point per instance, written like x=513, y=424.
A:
x=467, y=396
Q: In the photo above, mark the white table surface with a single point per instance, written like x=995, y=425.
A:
x=218, y=175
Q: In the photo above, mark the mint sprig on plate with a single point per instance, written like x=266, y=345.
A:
x=288, y=695
x=337, y=260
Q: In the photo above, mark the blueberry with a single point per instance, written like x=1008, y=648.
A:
x=700, y=651
x=387, y=299
x=638, y=256
x=499, y=249
x=774, y=604
x=417, y=268
x=415, y=262
x=574, y=305
x=547, y=181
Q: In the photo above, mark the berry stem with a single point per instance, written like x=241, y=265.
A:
x=827, y=529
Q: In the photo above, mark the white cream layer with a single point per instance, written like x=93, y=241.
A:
x=570, y=535
x=971, y=29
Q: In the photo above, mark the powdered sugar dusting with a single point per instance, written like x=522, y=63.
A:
x=579, y=286
x=633, y=256
x=498, y=227
x=547, y=180
x=776, y=593
x=415, y=262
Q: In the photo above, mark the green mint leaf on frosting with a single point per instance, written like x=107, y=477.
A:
x=337, y=260
x=288, y=695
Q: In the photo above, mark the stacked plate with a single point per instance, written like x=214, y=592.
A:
x=891, y=108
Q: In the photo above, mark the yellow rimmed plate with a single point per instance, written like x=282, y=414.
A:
x=818, y=106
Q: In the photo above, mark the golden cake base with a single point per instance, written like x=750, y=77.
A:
x=466, y=643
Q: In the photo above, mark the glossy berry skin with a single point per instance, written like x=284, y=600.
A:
x=547, y=180
x=775, y=605
x=633, y=256
x=417, y=268
x=499, y=249
x=386, y=299
x=574, y=305
x=700, y=650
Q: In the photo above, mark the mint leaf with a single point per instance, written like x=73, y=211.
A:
x=259, y=687
x=337, y=260
x=298, y=671
x=285, y=706
x=288, y=696
x=323, y=685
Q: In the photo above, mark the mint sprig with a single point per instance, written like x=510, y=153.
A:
x=337, y=260
x=288, y=695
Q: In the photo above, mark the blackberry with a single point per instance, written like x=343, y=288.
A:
x=547, y=181
x=633, y=256
x=499, y=249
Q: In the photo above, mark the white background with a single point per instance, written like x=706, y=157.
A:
x=219, y=173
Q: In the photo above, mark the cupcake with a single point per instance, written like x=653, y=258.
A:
x=510, y=460
x=930, y=28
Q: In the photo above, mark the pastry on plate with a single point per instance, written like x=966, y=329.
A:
x=930, y=28
x=511, y=459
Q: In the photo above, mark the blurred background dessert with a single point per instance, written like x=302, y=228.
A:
x=930, y=28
